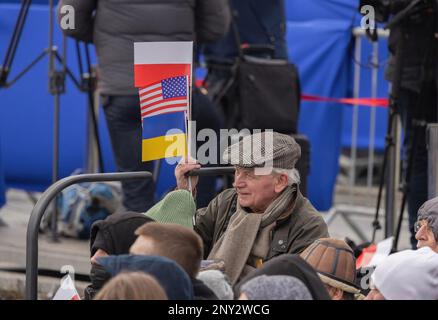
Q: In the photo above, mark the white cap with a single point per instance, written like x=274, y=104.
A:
x=408, y=275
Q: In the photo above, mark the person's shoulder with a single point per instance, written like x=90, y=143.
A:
x=220, y=202
x=305, y=211
x=224, y=196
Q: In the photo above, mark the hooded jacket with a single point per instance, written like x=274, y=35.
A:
x=114, y=235
x=169, y=274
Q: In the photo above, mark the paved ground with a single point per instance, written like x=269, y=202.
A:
x=53, y=256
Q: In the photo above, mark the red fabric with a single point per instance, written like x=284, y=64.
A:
x=370, y=102
x=146, y=74
x=366, y=256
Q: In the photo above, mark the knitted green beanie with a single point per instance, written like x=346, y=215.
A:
x=176, y=207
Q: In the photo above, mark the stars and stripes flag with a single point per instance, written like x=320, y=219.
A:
x=163, y=73
x=166, y=96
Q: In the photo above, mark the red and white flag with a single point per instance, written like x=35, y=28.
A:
x=67, y=291
x=156, y=61
x=372, y=255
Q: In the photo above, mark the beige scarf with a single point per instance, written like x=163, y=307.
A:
x=247, y=231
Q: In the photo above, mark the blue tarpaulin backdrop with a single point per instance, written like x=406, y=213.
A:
x=320, y=43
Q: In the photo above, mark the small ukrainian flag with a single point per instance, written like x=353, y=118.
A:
x=164, y=136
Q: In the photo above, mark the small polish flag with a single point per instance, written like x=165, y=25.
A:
x=67, y=291
x=375, y=253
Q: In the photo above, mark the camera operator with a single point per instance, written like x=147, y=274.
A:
x=412, y=70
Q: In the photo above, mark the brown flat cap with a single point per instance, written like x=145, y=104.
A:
x=334, y=262
x=268, y=148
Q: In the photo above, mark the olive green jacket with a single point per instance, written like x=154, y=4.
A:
x=290, y=235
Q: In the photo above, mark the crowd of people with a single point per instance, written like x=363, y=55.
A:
x=259, y=239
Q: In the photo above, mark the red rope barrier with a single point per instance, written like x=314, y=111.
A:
x=369, y=102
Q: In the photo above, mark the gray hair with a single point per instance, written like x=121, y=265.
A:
x=429, y=212
x=293, y=176
x=432, y=221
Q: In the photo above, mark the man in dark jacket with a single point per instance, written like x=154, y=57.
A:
x=112, y=236
x=113, y=27
x=264, y=215
x=413, y=52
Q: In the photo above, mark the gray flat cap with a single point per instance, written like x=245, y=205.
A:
x=264, y=149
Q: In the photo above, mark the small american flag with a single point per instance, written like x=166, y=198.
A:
x=168, y=95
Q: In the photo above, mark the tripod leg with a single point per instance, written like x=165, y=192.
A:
x=95, y=129
x=388, y=144
x=91, y=93
x=405, y=189
x=12, y=48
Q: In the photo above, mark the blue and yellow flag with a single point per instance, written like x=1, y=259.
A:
x=164, y=136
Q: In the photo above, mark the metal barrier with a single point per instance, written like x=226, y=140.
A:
x=40, y=208
x=44, y=201
x=344, y=211
x=359, y=34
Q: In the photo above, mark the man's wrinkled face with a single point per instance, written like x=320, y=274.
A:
x=257, y=191
x=425, y=236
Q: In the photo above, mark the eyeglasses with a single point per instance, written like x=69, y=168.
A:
x=419, y=224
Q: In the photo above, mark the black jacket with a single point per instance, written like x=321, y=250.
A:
x=413, y=45
x=113, y=27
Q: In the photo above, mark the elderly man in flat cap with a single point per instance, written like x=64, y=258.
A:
x=265, y=214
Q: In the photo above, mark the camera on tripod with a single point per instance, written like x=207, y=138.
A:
x=412, y=72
